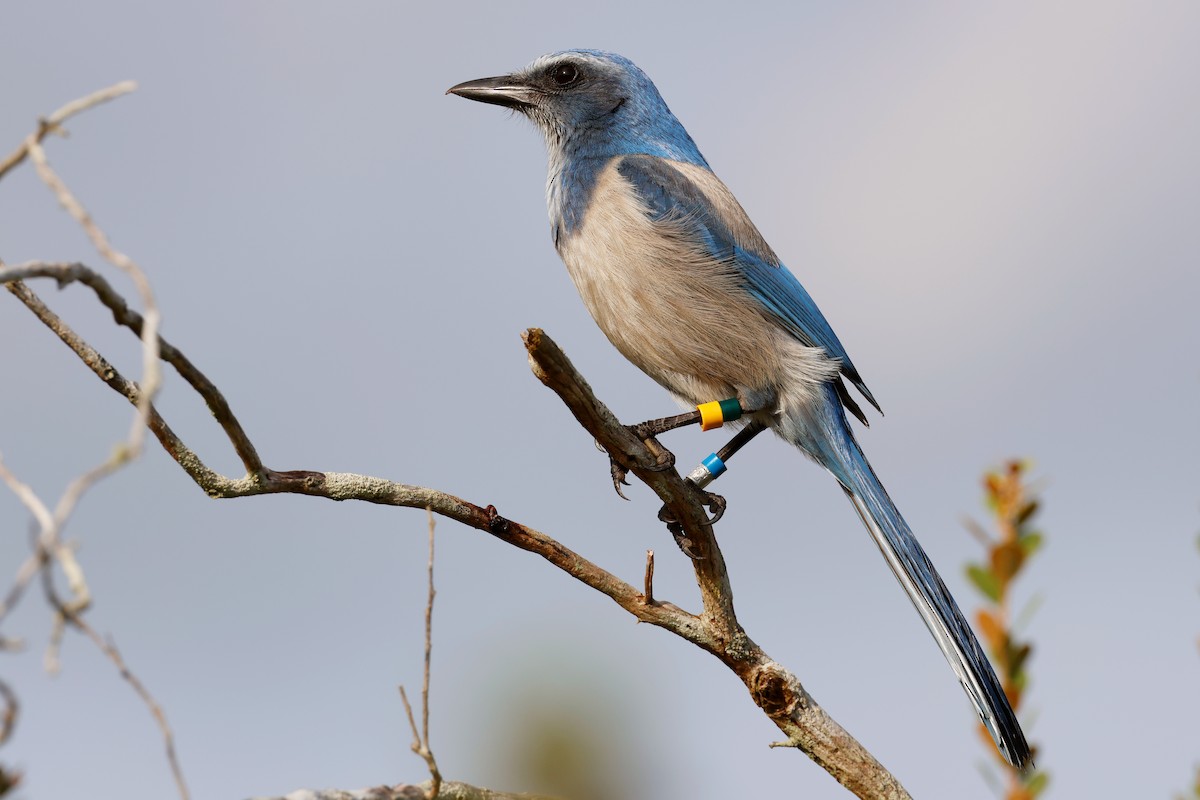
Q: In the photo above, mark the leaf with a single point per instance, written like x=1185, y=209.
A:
x=984, y=581
x=1006, y=561
x=1026, y=511
x=1031, y=542
x=1037, y=783
x=993, y=631
x=1018, y=657
x=991, y=484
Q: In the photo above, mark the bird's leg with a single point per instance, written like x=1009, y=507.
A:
x=653, y=427
x=709, y=415
x=648, y=430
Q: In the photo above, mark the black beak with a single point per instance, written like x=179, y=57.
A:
x=504, y=90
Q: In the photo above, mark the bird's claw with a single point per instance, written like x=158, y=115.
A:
x=665, y=460
x=684, y=544
x=618, y=476
x=716, y=505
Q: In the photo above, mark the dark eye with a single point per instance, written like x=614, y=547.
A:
x=565, y=74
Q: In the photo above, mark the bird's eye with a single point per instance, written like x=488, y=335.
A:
x=565, y=74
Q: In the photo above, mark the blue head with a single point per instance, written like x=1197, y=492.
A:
x=589, y=104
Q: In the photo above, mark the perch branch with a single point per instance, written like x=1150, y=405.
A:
x=774, y=689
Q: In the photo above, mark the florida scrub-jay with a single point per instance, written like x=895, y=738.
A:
x=682, y=283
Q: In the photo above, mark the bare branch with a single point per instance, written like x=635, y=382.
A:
x=420, y=744
x=49, y=549
x=65, y=274
x=53, y=123
x=774, y=689
x=451, y=790
x=412, y=721
x=648, y=581
x=650, y=462
x=151, y=374
x=426, y=752
x=109, y=648
x=8, y=720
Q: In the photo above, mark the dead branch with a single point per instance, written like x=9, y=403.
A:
x=420, y=744
x=773, y=688
x=451, y=790
x=49, y=548
x=53, y=123
x=8, y=720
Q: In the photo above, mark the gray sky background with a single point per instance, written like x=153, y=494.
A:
x=996, y=207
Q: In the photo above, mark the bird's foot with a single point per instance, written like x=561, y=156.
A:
x=716, y=505
x=708, y=415
x=674, y=527
x=666, y=460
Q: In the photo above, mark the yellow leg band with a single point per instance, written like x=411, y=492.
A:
x=711, y=415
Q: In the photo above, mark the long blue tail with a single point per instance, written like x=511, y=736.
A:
x=822, y=432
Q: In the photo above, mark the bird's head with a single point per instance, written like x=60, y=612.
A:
x=591, y=102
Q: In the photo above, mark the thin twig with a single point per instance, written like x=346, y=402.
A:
x=109, y=648
x=420, y=744
x=451, y=790
x=648, y=582
x=68, y=615
x=40, y=556
x=426, y=751
x=49, y=548
x=412, y=721
x=151, y=374
x=67, y=273
x=53, y=123
x=11, y=707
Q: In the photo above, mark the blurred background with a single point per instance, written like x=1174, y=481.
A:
x=995, y=206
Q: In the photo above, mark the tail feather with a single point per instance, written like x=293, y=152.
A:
x=827, y=438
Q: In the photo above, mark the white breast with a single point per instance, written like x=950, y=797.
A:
x=681, y=316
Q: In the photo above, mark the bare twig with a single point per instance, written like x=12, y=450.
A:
x=426, y=751
x=109, y=648
x=428, y=632
x=9, y=719
x=53, y=123
x=40, y=556
x=151, y=374
x=648, y=582
x=420, y=744
x=123, y=315
x=451, y=790
x=49, y=549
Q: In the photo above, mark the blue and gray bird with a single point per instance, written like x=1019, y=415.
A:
x=685, y=287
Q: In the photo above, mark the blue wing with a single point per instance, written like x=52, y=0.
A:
x=671, y=195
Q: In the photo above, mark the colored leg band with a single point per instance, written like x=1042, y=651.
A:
x=711, y=468
x=715, y=414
